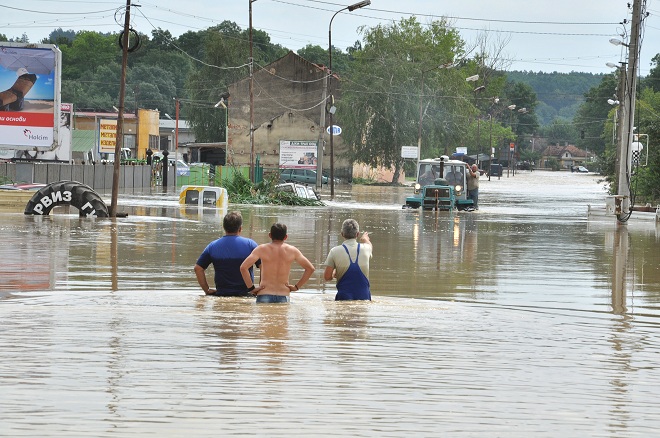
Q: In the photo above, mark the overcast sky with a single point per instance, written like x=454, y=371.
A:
x=543, y=35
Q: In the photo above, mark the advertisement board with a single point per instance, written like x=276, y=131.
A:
x=107, y=136
x=30, y=77
x=409, y=152
x=297, y=154
x=62, y=153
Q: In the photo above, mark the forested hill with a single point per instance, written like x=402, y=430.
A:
x=559, y=94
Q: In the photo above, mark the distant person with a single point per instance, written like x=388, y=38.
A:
x=349, y=264
x=427, y=177
x=276, y=260
x=454, y=177
x=227, y=254
x=473, y=185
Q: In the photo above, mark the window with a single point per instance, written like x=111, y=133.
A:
x=154, y=142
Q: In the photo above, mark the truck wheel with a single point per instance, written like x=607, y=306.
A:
x=79, y=195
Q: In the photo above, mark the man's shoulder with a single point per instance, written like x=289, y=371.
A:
x=247, y=240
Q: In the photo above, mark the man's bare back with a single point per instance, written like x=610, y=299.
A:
x=276, y=260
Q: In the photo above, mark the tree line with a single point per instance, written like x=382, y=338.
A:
x=400, y=83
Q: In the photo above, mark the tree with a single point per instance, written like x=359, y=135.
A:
x=88, y=52
x=653, y=79
x=646, y=178
x=222, y=59
x=316, y=54
x=560, y=131
x=593, y=113
x=97, y=91
x=523, y=119
x=379, y=107
x=61, y=37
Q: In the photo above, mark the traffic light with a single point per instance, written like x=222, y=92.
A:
x=582, y=134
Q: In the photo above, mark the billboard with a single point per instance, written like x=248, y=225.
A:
x=298, y=154
x=62, y=153
x=107, y=136
x=30, y=77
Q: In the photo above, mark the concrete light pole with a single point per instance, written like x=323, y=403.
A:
x=350, y=8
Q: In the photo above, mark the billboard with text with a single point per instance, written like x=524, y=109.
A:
x=298, y=154
x=29, y=96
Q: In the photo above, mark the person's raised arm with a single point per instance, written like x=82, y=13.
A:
x=365, y=238
x=307, y=266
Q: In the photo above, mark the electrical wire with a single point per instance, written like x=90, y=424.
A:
x=170, y=42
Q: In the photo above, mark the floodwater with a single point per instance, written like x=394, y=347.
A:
x=523, y=319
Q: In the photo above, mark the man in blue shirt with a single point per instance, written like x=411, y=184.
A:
x=227, y=253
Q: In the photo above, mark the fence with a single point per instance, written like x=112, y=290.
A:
x=131, y=177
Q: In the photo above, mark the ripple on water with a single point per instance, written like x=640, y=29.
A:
x=147, y=362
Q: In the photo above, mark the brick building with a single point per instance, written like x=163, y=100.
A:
x=288, y=105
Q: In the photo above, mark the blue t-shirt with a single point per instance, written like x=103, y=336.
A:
x=227, y=254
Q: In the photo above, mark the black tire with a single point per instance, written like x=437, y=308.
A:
x=73, y=193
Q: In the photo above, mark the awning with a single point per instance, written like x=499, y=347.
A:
x=83, y=140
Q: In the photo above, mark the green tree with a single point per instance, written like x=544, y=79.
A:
x=652, y=80
x=560, y=131
x=523, y=119
x=98, y=90
x=150, y=86
x=89, y=52
x=61, y=37
x=593, y=113
x=222, y=59
x=646, y=178
x=316, y=54
x=379, y=107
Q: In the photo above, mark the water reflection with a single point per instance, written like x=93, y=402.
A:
x=524, y=313
x=504, y=252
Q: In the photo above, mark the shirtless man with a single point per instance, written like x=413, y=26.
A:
x=276, y=259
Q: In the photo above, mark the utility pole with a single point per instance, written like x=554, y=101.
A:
x=251, y=101
x=319, y=147
x=628, y=108
x=120, y=116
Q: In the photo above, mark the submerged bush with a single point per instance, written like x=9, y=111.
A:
x=242, y=191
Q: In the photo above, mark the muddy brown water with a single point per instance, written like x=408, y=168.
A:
x=525, y=318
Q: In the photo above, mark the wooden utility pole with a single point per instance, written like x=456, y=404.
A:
x=252, y=176
x=319, y=147
x=120, y=116
x=628, y=108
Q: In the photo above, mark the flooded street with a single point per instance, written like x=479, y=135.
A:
x=521, y=319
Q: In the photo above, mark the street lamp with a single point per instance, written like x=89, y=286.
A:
x=221, y=103
x=512, y=107
x=496, y=100
x=618, y=42
x=479, y=89
x=350, y=8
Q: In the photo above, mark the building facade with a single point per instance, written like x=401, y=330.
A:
x=289, y=104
